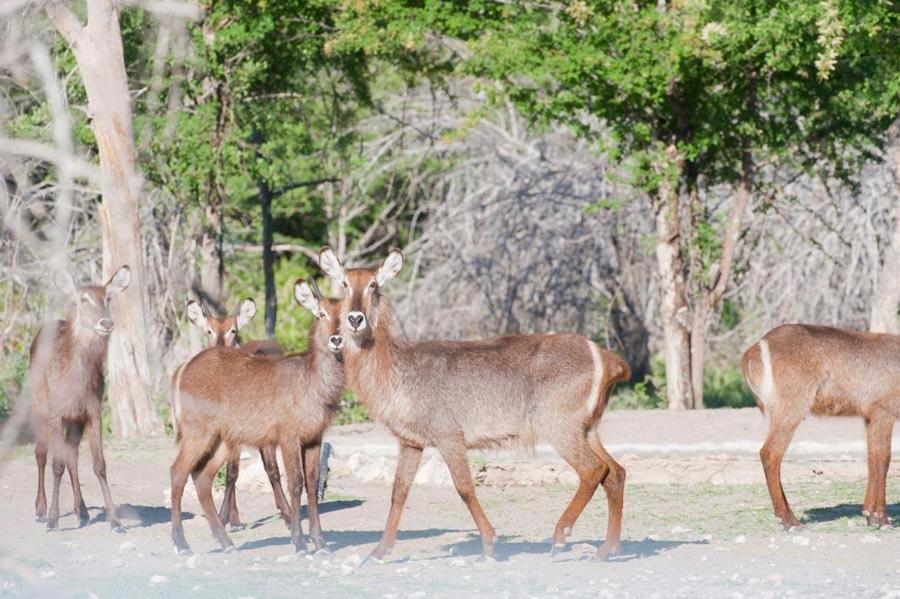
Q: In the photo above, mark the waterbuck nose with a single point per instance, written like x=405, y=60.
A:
x=105, y=323
x=336, y=341
x=356, y=320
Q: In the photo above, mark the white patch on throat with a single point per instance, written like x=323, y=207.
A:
x=767, y=384
x=594, y=394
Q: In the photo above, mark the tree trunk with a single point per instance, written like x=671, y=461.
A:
x=886, y=296
x=268, y=255
x=98, y=51
x=673, y=308
x=212, y=259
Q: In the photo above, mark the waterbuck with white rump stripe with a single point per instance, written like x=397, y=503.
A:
x=459, y=395
x=796, y=370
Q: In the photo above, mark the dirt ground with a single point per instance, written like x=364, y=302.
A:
x=698, y=522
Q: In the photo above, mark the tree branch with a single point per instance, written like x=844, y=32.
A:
x=64, y=20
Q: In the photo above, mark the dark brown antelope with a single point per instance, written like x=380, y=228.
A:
x=796, y=370
x=226, y=332
x=476, y=394
x=65, y=377
x=228, y=398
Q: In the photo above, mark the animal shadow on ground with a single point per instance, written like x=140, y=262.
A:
x=842, y=510
x=146, y=515
x=324, y=508
x=504, y=548
x=339, y=539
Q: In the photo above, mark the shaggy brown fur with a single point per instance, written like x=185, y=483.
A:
x=226, y=332
x=228, y=398
x=65, y=378
x=796, y=370
x=475, y=394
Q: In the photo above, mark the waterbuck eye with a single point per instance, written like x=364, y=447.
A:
x=373, y=284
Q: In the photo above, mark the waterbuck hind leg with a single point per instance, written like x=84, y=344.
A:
x=614, y=486
x=781, y=431
x=408, y=460
x=40, y=502
x=591, y=471
x=310, y=455
x=203, y=482
x=59, y=468
x=879, y=429
x=270, y=463
x=228, y=512
x=454, y=455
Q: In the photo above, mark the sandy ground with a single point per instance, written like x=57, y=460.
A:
x=697, y=523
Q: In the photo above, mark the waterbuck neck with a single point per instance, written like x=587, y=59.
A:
x=369, y=365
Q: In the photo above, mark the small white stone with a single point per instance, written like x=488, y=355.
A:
x=799, y=540
x=677, y=529
x=158, y=579
x=740, y=539
x=458, y=563
x=192, y=561
x=127, y=546
x=287, y=557
x=48, y=574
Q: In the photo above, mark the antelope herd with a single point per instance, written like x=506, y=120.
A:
x=449, y=395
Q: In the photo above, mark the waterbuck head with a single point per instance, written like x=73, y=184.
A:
x=327, y=312
x=362, y=303
x=90, y=311
x=222, y=332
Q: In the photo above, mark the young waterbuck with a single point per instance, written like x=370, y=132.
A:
x=457, y=395
x=227, y=398
x=796, y=370
x=226, y=332
x=65, y=377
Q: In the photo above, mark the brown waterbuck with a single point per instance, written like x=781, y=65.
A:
x=457, y=395
x=65, y=377
x=796, y=370
x=226, y=332
x=227, y=398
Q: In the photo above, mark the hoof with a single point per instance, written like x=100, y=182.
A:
x=185, y=550
x=374, y=559
x=323, y=551
x=118, y=529
x=40, y=519
x=52, y=525
x=604, y=553
x=557, y=548
x=485, y=559
x=229, y=549
x=235, y=527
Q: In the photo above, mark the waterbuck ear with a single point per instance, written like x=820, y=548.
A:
x=119, y=281
x=332, y=267
x=245, y=312
x=304, y=295
x=196, y=313
x=64, y=282
x=390, y=267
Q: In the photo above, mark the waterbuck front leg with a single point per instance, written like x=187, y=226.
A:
x=270, y=463
x=40, y=502
x=290, y=451
x=73, y=439
x=454, y=454
x=879, y=429
x=96, y=442
x=408, y=460
x=310, y=455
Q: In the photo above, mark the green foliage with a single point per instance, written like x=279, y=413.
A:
x=13, y=372
x=724, y=388
x=352, y=411
x=649, y=393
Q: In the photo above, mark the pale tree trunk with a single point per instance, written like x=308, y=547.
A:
x=886, y=296
x=98, y=51
x=709, y=299
x=212, y=266
x=673, y=307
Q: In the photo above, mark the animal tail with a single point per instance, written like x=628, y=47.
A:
x=750, y=356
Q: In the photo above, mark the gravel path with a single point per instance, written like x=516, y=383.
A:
x=697, y=523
